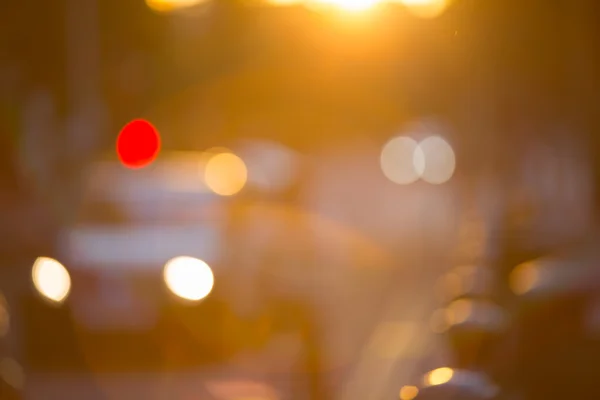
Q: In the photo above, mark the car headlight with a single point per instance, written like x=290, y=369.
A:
x=51, y=279
x=188, y=278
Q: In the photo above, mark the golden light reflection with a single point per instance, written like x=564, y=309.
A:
x=188, y=278
x=164, y=6
x=439, y=376
x=523, y=278
x=426, y=8
x=408, y=392
x=51, y=279
x=225, y=174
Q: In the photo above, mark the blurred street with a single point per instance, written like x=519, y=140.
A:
x=298, y=199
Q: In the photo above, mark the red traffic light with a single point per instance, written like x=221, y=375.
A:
x=138, y=144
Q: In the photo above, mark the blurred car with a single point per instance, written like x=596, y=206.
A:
x=130, y=291
x=103, y=300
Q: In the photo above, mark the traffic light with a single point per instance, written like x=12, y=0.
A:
x=138, y=144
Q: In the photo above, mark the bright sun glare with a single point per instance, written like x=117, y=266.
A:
x=421, y=8
x=355, y=5
x=426, y=8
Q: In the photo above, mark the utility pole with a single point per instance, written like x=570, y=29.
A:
x=85, y=103
x=86, y=111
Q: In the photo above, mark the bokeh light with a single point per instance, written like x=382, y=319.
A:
x=435, y=161
x=524, y=278
x=408, y=392
x=225, y=174
x=439, y=376
x=138, y=144
x=397, y=160
x=165, y=6
x=188, y=278
x=51, y=279
x=459, y=311
x=426, y=8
